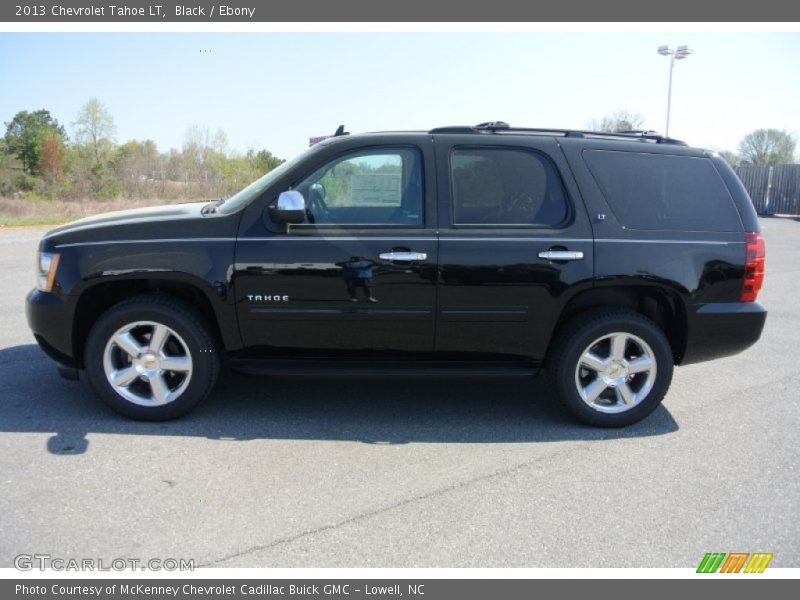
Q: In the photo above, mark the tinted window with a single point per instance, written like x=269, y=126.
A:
x=373, y=187
x=501, y=186
x=659, y=191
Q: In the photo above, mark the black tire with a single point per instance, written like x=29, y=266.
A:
x=575, y=338
x=194, y=338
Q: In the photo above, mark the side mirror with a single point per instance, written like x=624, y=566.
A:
x=289, y=209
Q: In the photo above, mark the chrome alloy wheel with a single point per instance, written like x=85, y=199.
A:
x=147, y=363
x=615, y=372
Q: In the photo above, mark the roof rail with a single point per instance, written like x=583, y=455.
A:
x=503, y=127
x=493, y=125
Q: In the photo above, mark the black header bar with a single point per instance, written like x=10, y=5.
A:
x=264, y=11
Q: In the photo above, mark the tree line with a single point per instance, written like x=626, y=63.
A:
x=39, y=160
x=760, y=147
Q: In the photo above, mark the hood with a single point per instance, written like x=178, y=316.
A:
x=130, y=218
x=172, y=222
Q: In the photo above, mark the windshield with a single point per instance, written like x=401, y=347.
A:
x=252, y=191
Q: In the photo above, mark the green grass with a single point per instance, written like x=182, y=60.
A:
x=34, y=220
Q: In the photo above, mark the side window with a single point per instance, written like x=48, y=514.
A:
x=663, y=191
x=505, y=186
x=372, y=187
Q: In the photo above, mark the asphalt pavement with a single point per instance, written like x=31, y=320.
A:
x=310, y=472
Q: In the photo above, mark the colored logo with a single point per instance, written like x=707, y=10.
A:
x=734, y=562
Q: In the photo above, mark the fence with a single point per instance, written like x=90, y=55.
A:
x=775, y=190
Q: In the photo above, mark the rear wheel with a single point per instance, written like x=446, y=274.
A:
x=610, y=367
x=151, y=357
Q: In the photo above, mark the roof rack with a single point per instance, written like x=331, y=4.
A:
x=492, y=127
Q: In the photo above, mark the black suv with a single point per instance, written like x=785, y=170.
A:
x=487, y=250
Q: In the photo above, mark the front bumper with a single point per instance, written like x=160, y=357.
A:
x=50, y=317
x=722, y=329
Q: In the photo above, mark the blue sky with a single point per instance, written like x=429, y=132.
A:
x=274, y=90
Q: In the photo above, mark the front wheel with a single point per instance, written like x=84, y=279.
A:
x=610, y=367
x=151, y=358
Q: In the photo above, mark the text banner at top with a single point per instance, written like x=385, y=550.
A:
x=262, y=11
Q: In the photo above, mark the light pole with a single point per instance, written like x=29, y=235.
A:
x=678, y=53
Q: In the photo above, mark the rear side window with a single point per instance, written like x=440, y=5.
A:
x=660, y=191
x=505, y=186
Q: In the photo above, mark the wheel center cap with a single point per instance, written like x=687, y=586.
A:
x=615, y=373
x=148, y=362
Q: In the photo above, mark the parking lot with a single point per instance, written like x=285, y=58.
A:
x=401, y=472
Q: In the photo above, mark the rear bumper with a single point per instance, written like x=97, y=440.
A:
x=50, y=317
x=722, y=329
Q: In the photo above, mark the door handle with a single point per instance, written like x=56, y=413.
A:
x=561, y=255
x=403, y=256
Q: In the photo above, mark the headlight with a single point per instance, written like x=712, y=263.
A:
x=47, y=264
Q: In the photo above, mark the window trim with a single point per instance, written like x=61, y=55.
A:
x=563, y=224
x=363, y=150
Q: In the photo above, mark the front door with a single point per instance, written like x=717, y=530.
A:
x=359, y=276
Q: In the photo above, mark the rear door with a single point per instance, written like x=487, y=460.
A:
x=515, y=243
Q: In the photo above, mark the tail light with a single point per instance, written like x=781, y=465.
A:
x=753, y=266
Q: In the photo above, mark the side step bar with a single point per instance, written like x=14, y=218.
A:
x=382, y=368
